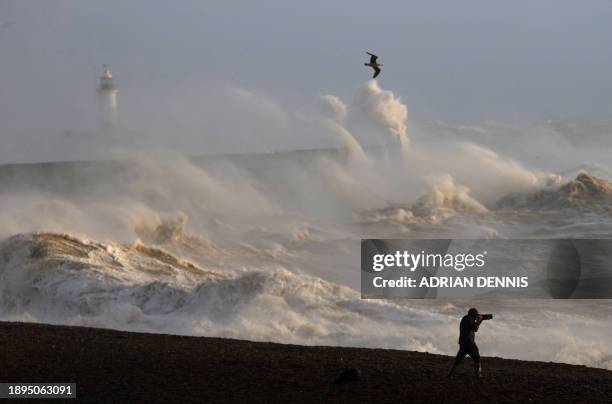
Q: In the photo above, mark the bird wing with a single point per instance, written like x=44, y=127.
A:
x=373, y=58
x=376, y=72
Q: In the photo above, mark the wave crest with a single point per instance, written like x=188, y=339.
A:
x=585, y=191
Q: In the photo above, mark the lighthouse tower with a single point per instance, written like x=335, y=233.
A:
x=107, y=98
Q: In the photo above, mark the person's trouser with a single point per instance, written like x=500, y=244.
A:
x=467, y=349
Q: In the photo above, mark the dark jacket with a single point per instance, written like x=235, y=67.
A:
x=467, y=329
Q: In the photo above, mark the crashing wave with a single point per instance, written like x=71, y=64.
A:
x=62, y=278
x=399, y=214
x=444, y=199
x=39, y=254
x=170, y=233
x=59, y=278
x=585, y=191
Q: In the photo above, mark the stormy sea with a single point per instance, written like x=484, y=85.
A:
x=266, y=246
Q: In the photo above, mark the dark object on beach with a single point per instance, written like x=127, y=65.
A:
x=374, y=64
x=486, y=316
x=348, y=375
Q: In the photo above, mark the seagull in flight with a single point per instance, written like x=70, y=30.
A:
x=374, y=64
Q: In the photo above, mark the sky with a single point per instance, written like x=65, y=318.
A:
x=460, y=61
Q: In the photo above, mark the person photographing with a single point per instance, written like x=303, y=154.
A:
x=467, y=344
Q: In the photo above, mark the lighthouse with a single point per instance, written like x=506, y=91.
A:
x=107, y=98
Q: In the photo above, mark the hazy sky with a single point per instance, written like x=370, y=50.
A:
x=451, y=60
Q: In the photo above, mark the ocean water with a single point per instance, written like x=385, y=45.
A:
x=267, y=246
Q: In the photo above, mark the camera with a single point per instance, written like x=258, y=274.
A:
x=486, y=316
